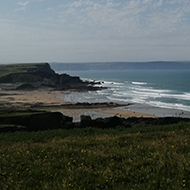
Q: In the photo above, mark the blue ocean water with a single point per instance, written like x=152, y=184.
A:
x=160, y=88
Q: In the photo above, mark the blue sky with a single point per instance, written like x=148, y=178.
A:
x=94, y=31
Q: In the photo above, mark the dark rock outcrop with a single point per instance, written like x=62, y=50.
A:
x=25, y=87
x=113, y=122
x=37, y=121
x=45, y=68
x=42, y=76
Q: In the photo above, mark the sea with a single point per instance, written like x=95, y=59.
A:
x=159, y=88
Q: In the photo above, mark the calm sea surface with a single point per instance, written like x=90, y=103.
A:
x=161, y=88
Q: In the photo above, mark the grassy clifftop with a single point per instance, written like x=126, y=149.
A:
x=23, y=68
x=30, y=76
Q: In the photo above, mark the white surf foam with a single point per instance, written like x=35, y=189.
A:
x=139, y=83
x=169, y=105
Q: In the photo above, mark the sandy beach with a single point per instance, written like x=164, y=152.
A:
x=53, y=98
x=54, y=101
x=27, y=98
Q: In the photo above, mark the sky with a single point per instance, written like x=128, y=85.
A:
x=94, y=31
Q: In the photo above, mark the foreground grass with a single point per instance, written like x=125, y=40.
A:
x=139, y=158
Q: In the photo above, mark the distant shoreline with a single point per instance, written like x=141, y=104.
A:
x=150, y=65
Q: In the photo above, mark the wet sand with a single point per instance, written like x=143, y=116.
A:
x=157, y=111
x=54, y=101
x=24, y=98
x=53, y=98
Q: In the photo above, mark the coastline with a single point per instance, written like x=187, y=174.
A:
x=54, y=102
x=134, y=109
x=158, y=111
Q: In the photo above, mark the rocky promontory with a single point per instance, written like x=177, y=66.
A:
x=40, y=76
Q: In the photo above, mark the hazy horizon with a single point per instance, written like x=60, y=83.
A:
x=99, y=62
x=94, y=31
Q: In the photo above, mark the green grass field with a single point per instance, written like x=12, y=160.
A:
x=139, y=158
x=17, y=68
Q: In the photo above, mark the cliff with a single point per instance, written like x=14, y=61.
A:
x=37, y=76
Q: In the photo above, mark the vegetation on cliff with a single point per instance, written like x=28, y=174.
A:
x=24, y=68
x=40, y=75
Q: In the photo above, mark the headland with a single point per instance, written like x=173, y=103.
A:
x=36, y=87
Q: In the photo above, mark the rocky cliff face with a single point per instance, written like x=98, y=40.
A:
x=43, y=68
x=42, y=76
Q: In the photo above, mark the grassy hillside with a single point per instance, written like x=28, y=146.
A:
x=139, y=158
x=18, y=68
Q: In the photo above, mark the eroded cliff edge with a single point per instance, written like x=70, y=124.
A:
x=40, y=76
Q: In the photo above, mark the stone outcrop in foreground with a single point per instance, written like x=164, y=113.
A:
x=41, y=120
x=33, y=121
x=113, y=122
